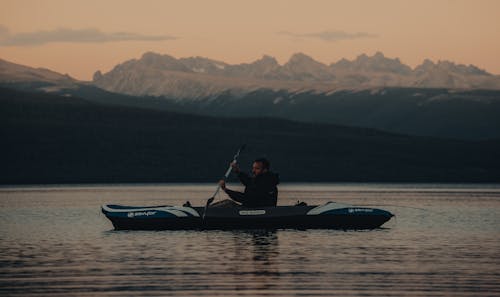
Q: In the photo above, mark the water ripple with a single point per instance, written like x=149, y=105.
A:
x=66, y=249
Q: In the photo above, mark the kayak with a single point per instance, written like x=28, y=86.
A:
x=331, y=215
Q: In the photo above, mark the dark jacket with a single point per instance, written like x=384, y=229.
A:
x=260, y=191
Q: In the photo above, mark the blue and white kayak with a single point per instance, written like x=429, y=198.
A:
x=331, y=215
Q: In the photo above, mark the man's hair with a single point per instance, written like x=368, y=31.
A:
x=264, y=161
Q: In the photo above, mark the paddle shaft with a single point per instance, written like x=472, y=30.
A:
x=228, y=172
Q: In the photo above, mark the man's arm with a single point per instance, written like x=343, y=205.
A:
x=234, y=195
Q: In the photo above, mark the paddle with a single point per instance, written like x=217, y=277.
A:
x=235, y=158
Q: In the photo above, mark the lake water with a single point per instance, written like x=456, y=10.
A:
x=444, y=241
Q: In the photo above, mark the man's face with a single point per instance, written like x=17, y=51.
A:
x=258, y=168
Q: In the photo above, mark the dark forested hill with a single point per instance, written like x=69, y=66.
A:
x=443, y=113
x=48, y=138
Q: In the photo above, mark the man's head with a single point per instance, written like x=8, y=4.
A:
x=260, y=166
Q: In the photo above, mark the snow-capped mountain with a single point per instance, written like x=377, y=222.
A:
x=201, y=78
x=198, y=77
x=36, y=78
x=366, y=64
x=265, y=89
x=15, y=73
x=301, y=67
x=445, y=73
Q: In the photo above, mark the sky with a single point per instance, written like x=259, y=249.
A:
x=80, y=37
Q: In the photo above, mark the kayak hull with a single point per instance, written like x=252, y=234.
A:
x=329, y=216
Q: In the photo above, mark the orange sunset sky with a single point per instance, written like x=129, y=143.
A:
x=81, y=37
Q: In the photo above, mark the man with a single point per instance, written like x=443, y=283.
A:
x=260, y=189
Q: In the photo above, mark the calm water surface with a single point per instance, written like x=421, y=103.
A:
x=444, y=241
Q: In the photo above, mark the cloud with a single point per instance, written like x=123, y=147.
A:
x=330, y=36
x=72, y=35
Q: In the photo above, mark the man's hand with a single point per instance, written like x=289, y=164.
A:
x=222, y=184
x=235, y=167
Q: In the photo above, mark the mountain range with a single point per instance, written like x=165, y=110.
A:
x=207, y=87
x=194, y=78
x=57, y=129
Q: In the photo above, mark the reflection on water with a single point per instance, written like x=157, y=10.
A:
x=443, y=242
x=265, y=245
x=254, y=255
